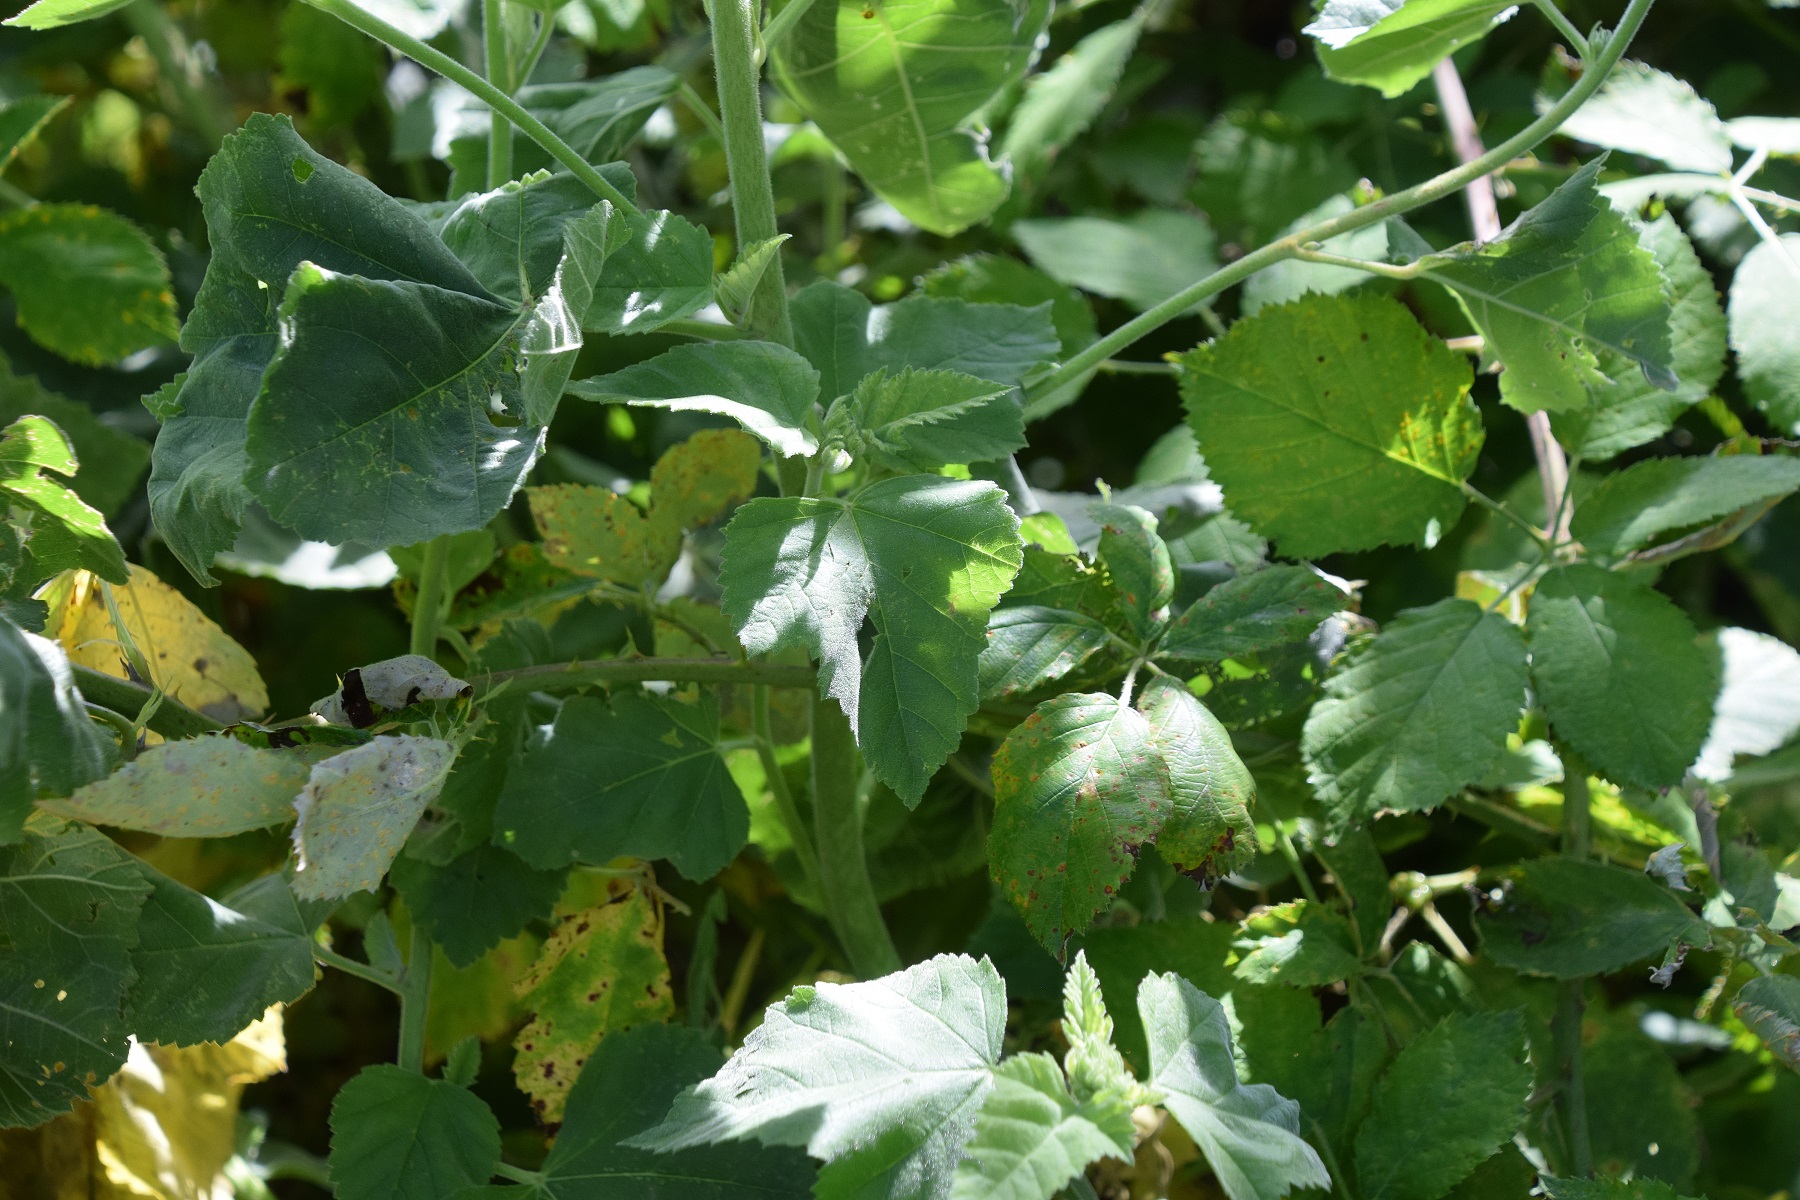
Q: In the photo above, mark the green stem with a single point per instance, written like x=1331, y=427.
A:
x=350, y=966
x=519, y=1174
x=1577, y=40
x=783, y=22
x=778, y=787
x=752, y=194
x=499, y=73
x=700, y=108
x=1394, y=205
x=172, y=718
x=428, y=604
x=347, y=12
x=565, y=677
x=1505, y=512
x=120, y=724
x=415, y=997
x=1577, y=835
x=845, y=887
x=1502, y=819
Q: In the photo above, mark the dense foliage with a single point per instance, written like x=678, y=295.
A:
x=900, y=599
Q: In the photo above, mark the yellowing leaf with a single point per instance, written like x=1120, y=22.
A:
x=601, y=971
x=189, y=657
x=357, y=809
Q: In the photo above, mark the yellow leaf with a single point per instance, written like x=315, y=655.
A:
x=189, y=657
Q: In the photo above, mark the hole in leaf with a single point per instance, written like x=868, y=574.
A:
x=302, y=170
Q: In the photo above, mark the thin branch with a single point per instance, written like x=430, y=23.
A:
x=1577, y=40
x=350, y=966
x=697, y=105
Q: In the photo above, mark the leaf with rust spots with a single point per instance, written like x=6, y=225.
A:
x=1139, y=562
x=1077, y=788
x=602, y=970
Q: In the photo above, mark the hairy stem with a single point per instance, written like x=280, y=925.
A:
x=752, y=194
x=436, y=60
x=1577, y=40
x=350, y=966
x=845, y=887
x=1431, y=190
x=428, y=604
x=499, y=73
x=172, y=718
x=415, y=996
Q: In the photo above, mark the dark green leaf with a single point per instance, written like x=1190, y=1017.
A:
x=1606, y=1189
x=1251, y=612
x=1567, y=918
x=1620, y=674
x=21, y=121
x=1299, y=944
x=1208, y=831
x=1632, y=508
x=48, y=744
x=1029, y=645
x=1641, y=1119
x=599, y=118
x=476, y=900
x=917, y=420
x=766, y=388
x=396, y=1135
x=1770, y=1006
x=1138, y=562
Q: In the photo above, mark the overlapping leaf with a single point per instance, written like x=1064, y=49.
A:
x=357, y=809
x=48, y=744
x=1393, y=44
x=88, y=283
x=766, y=388
x=66, y=533
x=918, y=420
x=201, y=787
x=1567, y=918
x=1634, y=507
x=1251, y=612
x=1032, y=1137
x=1208, y=831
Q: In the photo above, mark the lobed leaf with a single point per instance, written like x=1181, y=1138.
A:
x=477, y=900
x=918, y=420
x=1032, y=1137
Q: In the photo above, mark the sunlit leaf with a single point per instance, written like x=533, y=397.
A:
x=358, y=807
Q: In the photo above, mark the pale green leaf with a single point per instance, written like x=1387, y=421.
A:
x=1029, y=646
x=1419, y=714
x=1645, y=111
x=1251, y=612
x=917, y=420
x=1208, y=833
x=1777, y=135
x=846, y=337
x=69, y=901
x=397, y=1135
x=925, y=559
x=892, y=1069
x=49, y=14
x=997, y=279
x=1078, y=786
x=1567, y=918
x=478, y=899
x=1032, y=1137
x=1249, y=1133
x=1765, y=330
x=896, y=86
x=66, y=534
x=1770, y=1006
x=48, y=744
x=1633, y=508
x=1620, y=674
x=1758, y=706
x=357, y=809
x=641, y=777
x=201, y=787
x=205, y=970
x=1450, y=1099
x=112, y=462
x=88, y=284
x=372, y=691
x=1061, y=102
x=737, y=284
x=1393, y=44
x=1628, y=410
x=1566, y=281
x=766, y=388
x=1142, y=259
x=1092, y=1062
x=1293, y=278
x=1335, y=423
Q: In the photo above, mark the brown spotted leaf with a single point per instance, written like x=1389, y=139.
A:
x=601, y=971
x=1077, y=788
x=202, y=787
x=1208, y=832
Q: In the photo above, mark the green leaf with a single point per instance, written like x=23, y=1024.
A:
x=1620, y=674
x=271, y=203
x=1093, y=1063
x=396, y=1135
x=734, y=287
x=48, y=744
x=1138, y=562
x=1061, y=102
x=1142, y=259
x=21, y=120
x=1078, y=786
x=1758, y=706
x=602, y=970
x=112, y=462
x=893, y=1101
x=1606, y=1189
x=89, y=284
x=477, y=900
x=66, y=534
x=1641, y=1115
x=641, y=777
x=662, y=271
x=358, y=807
x=1418, y=714
x=338, y=68
x=1032, y=1137
x=846, y=337
x=1393, y=44
x=512, y=238
x=1450, y=1099
x=599, y=118
x=201, y=787
x=1299, y=944
x=896, y=88
x=409, y=449
x=69, y=903
x=1765, y=329
x=1645, y=111
x=922, y=557
x=994, y=279
x=49, y=14
x=1567, y=280
x=1029, y=646
x=1362, y=878
x=205, y=970
x=1567, y=918
x=632, y=1078
x=766, y=388
x=1249, y=1133
x=1253, y=612
x=1632, y=508
x=1208, y=832
x=1770, y=1007
x=1335, y=423
x=1256, y=172
x=1629, y=410
x=921, y=420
